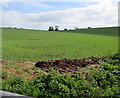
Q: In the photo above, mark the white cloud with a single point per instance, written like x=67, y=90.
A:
x=96, y=15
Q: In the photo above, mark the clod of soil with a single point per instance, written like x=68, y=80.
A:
x=65, y=65
x=2, y=61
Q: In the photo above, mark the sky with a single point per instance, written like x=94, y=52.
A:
x=41, y=14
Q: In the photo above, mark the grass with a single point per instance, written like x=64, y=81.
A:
x=35, y=45
x=22, y=48
x=106, y=31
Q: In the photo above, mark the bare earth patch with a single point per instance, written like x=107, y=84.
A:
x=65, y=65
x=27, y=69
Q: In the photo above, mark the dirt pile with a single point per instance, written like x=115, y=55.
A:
x=65, y=65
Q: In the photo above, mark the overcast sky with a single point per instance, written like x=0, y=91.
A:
x=42, y=14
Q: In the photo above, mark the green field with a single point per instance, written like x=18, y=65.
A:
x=36, y=45
x=21, y=49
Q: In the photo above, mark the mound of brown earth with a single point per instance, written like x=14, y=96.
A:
x=65, y=65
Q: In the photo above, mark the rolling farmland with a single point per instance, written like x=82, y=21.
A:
x=69, y=64
x=33, y=45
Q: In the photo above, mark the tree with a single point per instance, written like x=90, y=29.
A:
x=65, y=29
x=51, y=28
x=56, y=28
x=89, y=27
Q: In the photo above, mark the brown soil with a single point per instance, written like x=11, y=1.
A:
x=22, y=69
x=3, y=61
x=25, y=65
x=26, y=69
x=65, y=65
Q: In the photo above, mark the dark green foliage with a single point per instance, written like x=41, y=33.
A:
x=103, y=82
x=114, y=59
x=18, y=85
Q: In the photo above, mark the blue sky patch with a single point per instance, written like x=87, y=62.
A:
x=35, y=7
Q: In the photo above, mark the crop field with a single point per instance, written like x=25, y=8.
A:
x=61, y=64
x=33, y=45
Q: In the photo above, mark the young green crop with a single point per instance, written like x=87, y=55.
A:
x=35, y=45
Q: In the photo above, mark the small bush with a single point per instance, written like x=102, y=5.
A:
x=114, y=59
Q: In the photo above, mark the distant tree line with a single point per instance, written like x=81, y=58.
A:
x=51, y=28
x=56, y=28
